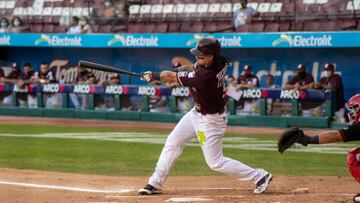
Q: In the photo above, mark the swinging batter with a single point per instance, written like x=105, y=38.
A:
x=206, y=121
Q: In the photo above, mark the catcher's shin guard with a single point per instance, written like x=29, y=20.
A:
x=353, y=163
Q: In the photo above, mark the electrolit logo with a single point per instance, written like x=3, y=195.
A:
x=5, y=40
x=225, y=41
x=301, y=41
x=133, y=41
x=57, y=40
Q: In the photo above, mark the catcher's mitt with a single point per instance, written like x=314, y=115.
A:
x=288, y=138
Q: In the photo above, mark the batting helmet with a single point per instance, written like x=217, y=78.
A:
x=207, y=46
x=354, y=109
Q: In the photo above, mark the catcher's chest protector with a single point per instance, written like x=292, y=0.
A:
x=353, y=163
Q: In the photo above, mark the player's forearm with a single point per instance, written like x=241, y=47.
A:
x=168, y=77
x=330, y=137
x=187, y=68
x=288, y=86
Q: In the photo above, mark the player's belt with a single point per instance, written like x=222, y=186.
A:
x=198, y=109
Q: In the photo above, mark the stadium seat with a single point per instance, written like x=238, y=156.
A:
x=145, y=12
x=134, y=27
x=327, y=26
x=297, y=26
x=197, y=27
x=272, y=27
x=156, y=11
x=149, y=28
x=214, y=10
x=226, y=10
x=168, y=11
x=257, y=27
x=243, y=28
x=190, y=9
x=201, y=11
x=57, y=11
x=173, y=27
x=311, y=26
x=60, y=29
x=134, y=12
x=105, y=28
x=36, y=28
x=77, y=11
x=284, y=26
x=179, y=10
x=185, y=26
x=161, y=28
x=49, y=28
x=210, y=27
x=264, y=7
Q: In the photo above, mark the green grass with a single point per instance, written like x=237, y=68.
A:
x=122, y=158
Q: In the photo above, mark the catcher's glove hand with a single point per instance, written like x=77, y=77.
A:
x=288, y=138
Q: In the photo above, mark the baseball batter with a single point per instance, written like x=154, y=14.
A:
x=351, y=133
x=206, y=121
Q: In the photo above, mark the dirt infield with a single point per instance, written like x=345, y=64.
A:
x=41, y=186
x=210, y=188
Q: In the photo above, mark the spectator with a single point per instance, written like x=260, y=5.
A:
x=22, y=83
x=270, y=83
x=84, y=76
x=183, y=104
x=5, y=28
x=302, y=80
x=332, y=81
x=75, y=27
x=12, y=78
x=158, y=103
x=1, y=73
x=108, y=12
x=121, y=8
x=243, y=15
x=45, y=76
x=17, y=25
x=247, y=81
x=85, y=25
x=230, y=80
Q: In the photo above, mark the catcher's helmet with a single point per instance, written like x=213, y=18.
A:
x=207, y=46
x=354, y=109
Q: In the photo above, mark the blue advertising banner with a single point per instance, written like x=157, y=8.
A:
x=185, y=40
x=259, y=93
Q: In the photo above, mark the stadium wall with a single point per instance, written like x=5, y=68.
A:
x=280, y=62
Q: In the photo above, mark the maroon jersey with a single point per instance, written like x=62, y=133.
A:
x=207, y=87
x=13, y=75
x=336, y=83
x=26, y=76
x=248, y=80
x=351, y=133
x=1, y=73
x=302, y=81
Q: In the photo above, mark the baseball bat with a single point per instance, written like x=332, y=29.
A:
x=106, y=68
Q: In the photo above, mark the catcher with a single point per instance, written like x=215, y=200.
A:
x=351, y=133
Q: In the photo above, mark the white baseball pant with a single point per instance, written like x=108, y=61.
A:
x=209, y=129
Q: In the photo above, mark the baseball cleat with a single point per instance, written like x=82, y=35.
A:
x=262, y=184
x=357, y=198
x=149, y=190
